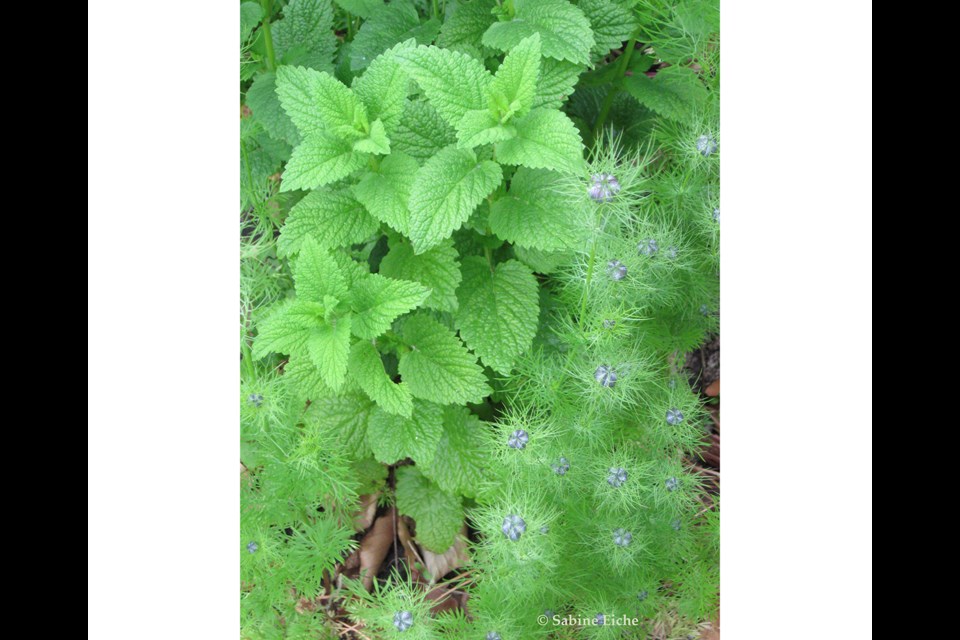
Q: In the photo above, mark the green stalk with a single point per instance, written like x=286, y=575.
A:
x=248, y=360
x=624, y=62
x=436, y=9
x=267, y=6
x=586, y=286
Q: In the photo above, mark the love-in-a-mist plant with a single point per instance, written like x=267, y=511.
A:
x=476, y=239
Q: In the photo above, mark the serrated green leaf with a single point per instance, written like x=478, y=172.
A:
x=362, y=8
x=422, y=132
x=393, y=23
x=348, y=416
x=383, y=90
x=481, y=127
x=466, y=23
x=453, y=82
x=458, y=466
x=316, y=274
x=438, y=515
x=286, y=328
x=304, y=379
x=328, y=346
x=265, y=105
x=498, y=311
x=319, y=103
x=386, y=192
x=546, y=139
x=437, y=268
x=514, y=86
x=556, y=82
x=250, y=14
x=305, y=34
x=393, y=438
x=438, y=367
x=378, y=301
x=446, y=191
x=366, y=367
x=371, y=475
x=377, y=142
x=612, y=23
x=537, y=214
x=675, y=92
x=545, y=262
x=564, y=30
x=332, y=217
x=321, y=160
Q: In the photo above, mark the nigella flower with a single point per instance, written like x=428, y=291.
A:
x=493, y=635
x=617, y=477
x=252, y=547
x=643, y=595
x=606, y=376
x=600, y=619
x=675, y=523
x=616, y=270
x=706, y=145
x=716, y=214
x=256, y=399
x=518, y=439
x=561, y=466
x=674, y=417
x=672, y=253
x=672, y=383
x=402, y=620
x=672, y=484
x=609, y=324
x=544, y=529
x=605, y=186
x=622, y=537
x=648, y=247
x=704, y=310
x=548, y=613
x=513, y=527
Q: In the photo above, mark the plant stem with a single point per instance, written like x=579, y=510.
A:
x=436, y=9
x=248, y=359
x=623, y=63
x=487, y=251
x=267, y=6
x=586, y=285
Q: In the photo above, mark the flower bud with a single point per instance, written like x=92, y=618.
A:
x=616, y=270
x=402, y=620
x=513, y=527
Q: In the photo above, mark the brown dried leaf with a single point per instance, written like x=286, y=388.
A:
x=714, y=389
x=366, y=512
x=410, y=549
x=375, y=546
x=440, y=564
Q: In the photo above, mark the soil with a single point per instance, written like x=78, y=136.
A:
x=703, y=365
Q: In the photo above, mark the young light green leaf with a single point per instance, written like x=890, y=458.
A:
x=331, y=216
x=458, y=467
x=317, y=275
x=514, y=86
x=453, y=82
x=362, y=8
x=393, y=438
x=383, y=89
x=564, y=30
x=386, y=192
x=303, y=378
x=546, y=139
x=557, y=79
x=438, y=515
x=286, y=328
x=377, y=142
x=317, y=103
x=466, y=23
x=321, y=160
x=498, y=311
x=393, y=23
x=422, y=132
x=378, y=301
x=446, y=191
x=305, y=34
x=366, y=367
x=536, y=213
x=437, y=268
x=480, y=127
x=250, y=14
x=612, y=23
x=263, y=101
x=328, y=346
x=675, y=92
x=438, y=367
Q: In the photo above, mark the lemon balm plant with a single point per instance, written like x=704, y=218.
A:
x=476, y=239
